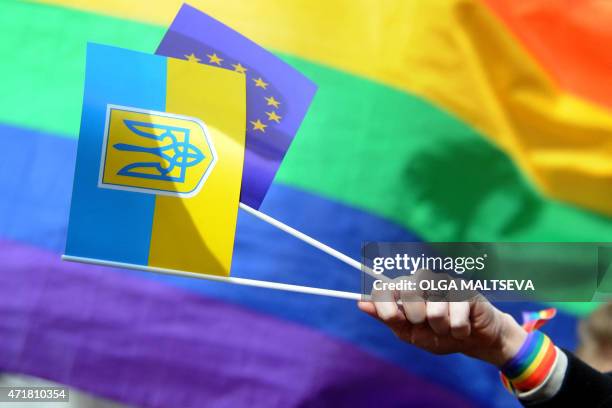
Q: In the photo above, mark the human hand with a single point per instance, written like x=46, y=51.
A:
x=475, y=327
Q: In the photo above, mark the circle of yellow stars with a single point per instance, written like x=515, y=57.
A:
x=273, y=115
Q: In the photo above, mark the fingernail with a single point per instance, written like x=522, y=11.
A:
x=386, y=310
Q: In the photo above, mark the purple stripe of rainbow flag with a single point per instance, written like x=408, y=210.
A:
x=167, y=347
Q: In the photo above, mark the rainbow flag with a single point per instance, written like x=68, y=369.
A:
x=460, y=120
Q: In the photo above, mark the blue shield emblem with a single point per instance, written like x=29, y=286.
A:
x=155, y=152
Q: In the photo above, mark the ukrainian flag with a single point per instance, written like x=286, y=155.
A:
x=159, y=162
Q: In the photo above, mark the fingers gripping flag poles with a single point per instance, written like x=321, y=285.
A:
x=169, y=149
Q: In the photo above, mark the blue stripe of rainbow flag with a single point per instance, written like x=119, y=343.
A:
x=254, y=257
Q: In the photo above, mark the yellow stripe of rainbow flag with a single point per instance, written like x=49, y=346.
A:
x=454, y=53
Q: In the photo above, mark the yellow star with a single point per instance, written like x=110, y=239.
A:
x=192, y=58
x=257, y=125
x=272, y=102
x=273, y=116
x=214, y=59
x=260, y=83
x=239, y=68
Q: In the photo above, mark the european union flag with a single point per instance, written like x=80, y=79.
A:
x=278, y=96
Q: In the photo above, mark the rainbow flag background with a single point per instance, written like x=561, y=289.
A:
x=461, y=120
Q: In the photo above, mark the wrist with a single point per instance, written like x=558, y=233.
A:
x=510, y=339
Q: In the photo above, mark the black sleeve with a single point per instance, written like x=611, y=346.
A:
x=583, y=387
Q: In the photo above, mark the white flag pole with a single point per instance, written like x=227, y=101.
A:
x=227, y=279
x=313, y=242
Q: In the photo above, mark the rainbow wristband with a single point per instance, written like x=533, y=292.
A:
x=531, y=365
